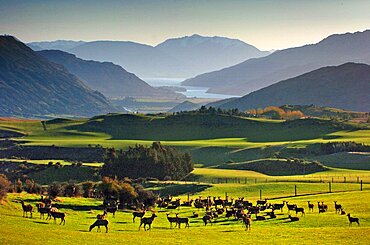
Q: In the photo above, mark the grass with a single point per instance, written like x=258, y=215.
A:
x=324, y=228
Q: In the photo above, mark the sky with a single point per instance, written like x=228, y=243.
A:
x=266, y=24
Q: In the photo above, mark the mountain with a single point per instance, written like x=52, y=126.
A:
x=254, y=74
x=174, y=58
x=106, y=77
x=346, y=87
x=30, y=85
x=185, y=106
x=63, y=45
x=200, y=54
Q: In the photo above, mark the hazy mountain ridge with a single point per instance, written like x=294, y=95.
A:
x=31, y=85
x=254, y=74
x=346, y=87
x=63, y=45
x=173, y=58
x=106, y=77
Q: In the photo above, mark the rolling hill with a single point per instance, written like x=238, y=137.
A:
x=63, y=45
x=255, y=74
x=179, y=57
x=185, y=106
x=346, y=86
x=106, y=77
x=32, y=86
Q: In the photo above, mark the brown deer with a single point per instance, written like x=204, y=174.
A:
x=26, y=209
x=352, y=219
x=102, y=216
x=247, y=222
x=98, y=223
x=147, y=221
x=42, y=210
x=58, y=215
x=171, y=220
x=292, y=219
x=207, y=219
x=338, y=207
x=299, y=210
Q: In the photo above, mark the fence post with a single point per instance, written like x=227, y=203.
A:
x=255, y=180
x=260, y=194
x=344, y=179
x=361, y=185
x=329, y=187
x=295, y=190
x=332, y=179
x=358, y=179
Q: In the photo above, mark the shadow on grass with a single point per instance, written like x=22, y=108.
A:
x=41, y=222
x=83, y=230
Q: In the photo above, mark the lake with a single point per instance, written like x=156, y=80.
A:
x=191, y=92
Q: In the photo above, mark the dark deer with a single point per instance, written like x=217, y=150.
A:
x=147, y=221
x=171, y=220
x=338, y=207
x=58, y=215
x=353, y=219
x=42, y=210
x=291, y=207
x=299, y=210
x=292, y=219
x=310, y=206
x=98, y=223
x=137, y=214
x=179, y=221
x=112, y=210
x=26, y=209
x=207, y=219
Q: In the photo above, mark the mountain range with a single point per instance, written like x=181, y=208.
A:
x=345, y=86
x=30, y=85
x=174, y=58
x=254, y=74
x=106, y=77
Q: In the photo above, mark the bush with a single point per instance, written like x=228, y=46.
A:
x=55, y=190
x=88, y=188
x=5, y=186
x=72, y=190
x=32, y=187
x=18, y=186
x=156, y=161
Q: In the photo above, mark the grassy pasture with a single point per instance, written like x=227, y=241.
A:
x=312, y=228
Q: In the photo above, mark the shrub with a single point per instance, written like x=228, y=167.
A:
x=88, y=188
x=5, y=186
x=72, y=190
x=55, y=190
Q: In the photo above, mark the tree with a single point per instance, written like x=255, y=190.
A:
x=127, y=193
x=5, y=186
x=88, y=187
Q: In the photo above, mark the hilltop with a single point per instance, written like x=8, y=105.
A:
x=32, y=86
x=346, y=86
x=258, y=73
x=106, y=77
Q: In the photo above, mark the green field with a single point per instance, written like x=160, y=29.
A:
x=313, y=227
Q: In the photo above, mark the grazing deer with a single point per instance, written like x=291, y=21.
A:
x=207, y=219
x=310, y=206
x=147, y=221
x=98, y=223
x=291, y=207
x=102, y=216
x=42, y=210
x=137, y=214
x=299, y=210
x=57, y=215
x=182, y=220
x=247, y=222
x=338, y=207
x=26, y=209
x=171, y=220
x=261, y=202
x=195, y=215
x=353, y=219
x=292, y=219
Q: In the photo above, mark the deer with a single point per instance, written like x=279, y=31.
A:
x=338, y=207
x=171, y=220
x=291, y=207
x=26, y=209
x=147, y=221
x=292, y=219
x=42, y=210
x=195, y=215
x=182, y=220
x=57, y=215
x=324, y=206
x=247, y=222
x=299, y=210
x=352, y=219
x=310, y=206
x=98, y=223
x=137, y=214
x=207, y=219
x=112, y=210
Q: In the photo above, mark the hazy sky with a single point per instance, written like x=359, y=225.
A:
x=266, y=24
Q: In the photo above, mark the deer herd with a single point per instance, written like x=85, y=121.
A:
x=213, y=208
